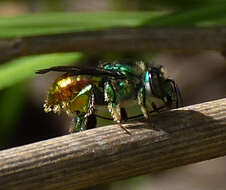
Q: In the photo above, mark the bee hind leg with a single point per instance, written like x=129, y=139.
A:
x=83, y=122
x=83, y=106
x=79, y=123
x=91, y=121
x=123, y=113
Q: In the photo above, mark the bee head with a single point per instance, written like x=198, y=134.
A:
x=160, y=86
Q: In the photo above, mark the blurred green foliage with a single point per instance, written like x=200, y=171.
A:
x=53, y=23
x=11, y=103
x=25, y=67
x=161, y=4
x=204, y=16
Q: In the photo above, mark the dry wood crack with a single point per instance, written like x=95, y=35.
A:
x=177, y=137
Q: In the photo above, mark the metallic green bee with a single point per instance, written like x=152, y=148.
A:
x=117, y=85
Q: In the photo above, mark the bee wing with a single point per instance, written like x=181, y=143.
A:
x=83, y=71
x=68, y=69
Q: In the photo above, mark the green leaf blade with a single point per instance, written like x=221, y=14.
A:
x=24, y=68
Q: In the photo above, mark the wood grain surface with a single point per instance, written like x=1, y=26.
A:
x=107, y=154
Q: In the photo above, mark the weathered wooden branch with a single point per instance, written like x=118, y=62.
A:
x=149, y=39
x=106, y=154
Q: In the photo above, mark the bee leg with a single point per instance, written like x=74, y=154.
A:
x=110, y=98
x=155, y=107
x=79, y=123
x=141, y=102
x=124, y=115
x=83, y=106
x=91, y=121
x=84, y=122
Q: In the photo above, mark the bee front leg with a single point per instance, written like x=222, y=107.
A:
x=110, y=98
x=141, y=102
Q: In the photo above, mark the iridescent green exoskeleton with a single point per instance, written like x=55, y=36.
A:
x=117, y=85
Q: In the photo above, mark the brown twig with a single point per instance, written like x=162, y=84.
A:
x=149, y=39
x=106, y=154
